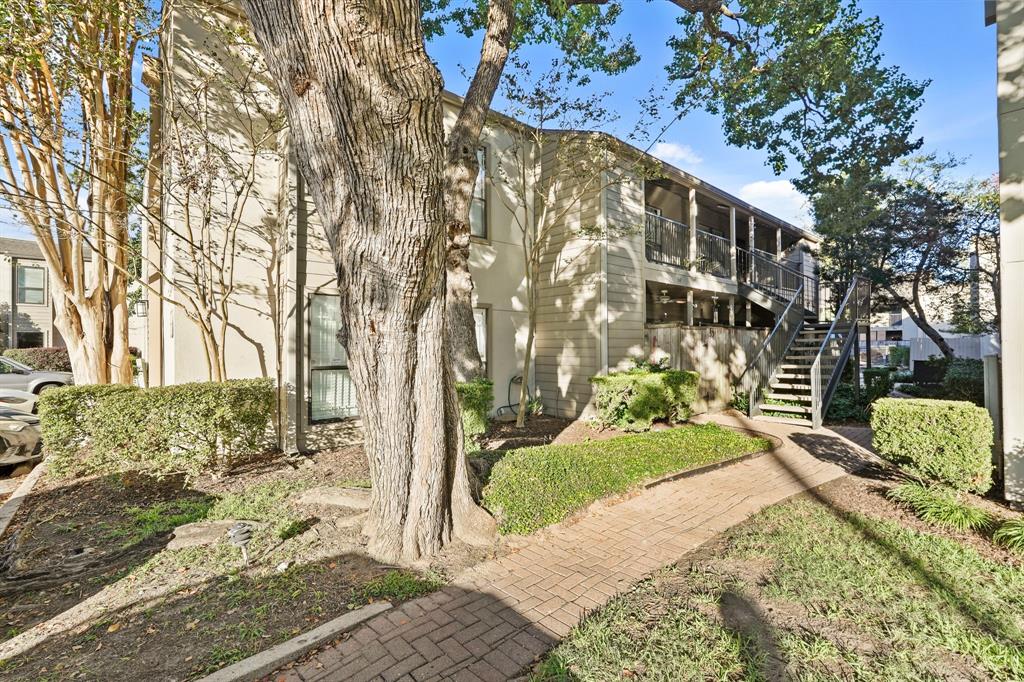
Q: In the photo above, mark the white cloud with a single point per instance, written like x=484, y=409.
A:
x=780, y=198
x=676, y=153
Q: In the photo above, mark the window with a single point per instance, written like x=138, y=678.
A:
x=332, y=394
x=31, y=285
x=30, y=340
x=480, y=318
x=478, y=208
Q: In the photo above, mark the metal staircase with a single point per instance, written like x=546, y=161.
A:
x=796, y=370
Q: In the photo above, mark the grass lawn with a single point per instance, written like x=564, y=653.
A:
x=530, y=488
x=813, y=591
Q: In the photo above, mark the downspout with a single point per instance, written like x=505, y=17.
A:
x=603, y=305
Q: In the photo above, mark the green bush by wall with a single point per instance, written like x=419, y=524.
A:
x=476, y=398
x=634, y=399
x=190, y=428
x=45, y=359
x=965, y=380
x=942, y=441
x=899, y=356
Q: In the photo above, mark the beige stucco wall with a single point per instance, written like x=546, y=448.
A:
x=1010, y=31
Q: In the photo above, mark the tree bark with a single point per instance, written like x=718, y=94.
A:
x=460, y=175
x=364, y=103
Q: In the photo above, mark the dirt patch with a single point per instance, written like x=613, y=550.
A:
x=88, y=589
x=544, y=430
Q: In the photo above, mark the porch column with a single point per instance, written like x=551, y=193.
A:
x=689, y=308
x=750, y=234
x=732, y=244
x=692, y=214
x=732, y=311
x=748, y=313
x=778, y=243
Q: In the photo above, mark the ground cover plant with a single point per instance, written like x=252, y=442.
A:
x=530, y=488
x=942, y=506
x=836, y=585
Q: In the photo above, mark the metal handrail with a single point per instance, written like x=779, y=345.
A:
x=836, y=345
x=713, y=254
x=751, y=263
x=772, y=352
x=667, y=241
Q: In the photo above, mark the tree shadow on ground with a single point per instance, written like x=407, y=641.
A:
x=201, y=628
x=69, y=542
x=837, y=451
x=759, y=647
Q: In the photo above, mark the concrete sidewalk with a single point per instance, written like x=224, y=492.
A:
x=498, y=616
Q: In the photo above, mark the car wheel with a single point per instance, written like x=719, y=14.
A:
x=46, y=387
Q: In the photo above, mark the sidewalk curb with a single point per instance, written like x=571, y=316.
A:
x=272, y=659
x=13, y=503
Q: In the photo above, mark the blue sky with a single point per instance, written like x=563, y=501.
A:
x=944, y=40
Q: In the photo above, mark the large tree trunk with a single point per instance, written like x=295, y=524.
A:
x=460, y=178
x=363, y=101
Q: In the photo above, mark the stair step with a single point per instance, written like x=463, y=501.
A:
x=793, y=365
x=786, y=375
x=783, y=420
x=787, y=396
x=795, y=409
x=789, y=387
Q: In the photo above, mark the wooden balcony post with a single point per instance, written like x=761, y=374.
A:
x=750, y=234
x=778, y=244
x=732, y=311
x=748, y=314
x=692, y=215
x=689, y=308
x=732, y=245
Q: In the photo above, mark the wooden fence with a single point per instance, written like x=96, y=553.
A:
x=719, y=354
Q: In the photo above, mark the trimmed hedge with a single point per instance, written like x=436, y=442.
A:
x=634, y=399
x=530, y=488
x=965, y=380
x=943, y=441
x=185, y=429
x=49, y=359
x=476, y=398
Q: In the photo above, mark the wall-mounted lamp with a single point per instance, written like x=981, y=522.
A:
x=141, y=308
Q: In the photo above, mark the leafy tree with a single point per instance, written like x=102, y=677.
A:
x=364, y=104
x=69, y=132
x=903, y=230
x=975, y=294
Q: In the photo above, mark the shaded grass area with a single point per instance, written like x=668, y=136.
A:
x=530, y=488
x=803, y=592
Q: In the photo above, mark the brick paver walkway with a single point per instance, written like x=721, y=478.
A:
x=499, y=616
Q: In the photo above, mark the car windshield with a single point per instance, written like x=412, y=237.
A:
x=16, y=365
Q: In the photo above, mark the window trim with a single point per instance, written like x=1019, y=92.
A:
x=19, y=288
x=310, y=369
x=485, y=238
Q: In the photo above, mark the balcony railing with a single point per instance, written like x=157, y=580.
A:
x=713, y=255
x=667, y=241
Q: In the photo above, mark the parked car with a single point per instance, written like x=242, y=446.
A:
x=14, y=374
x=20, y=401
x=19, y=441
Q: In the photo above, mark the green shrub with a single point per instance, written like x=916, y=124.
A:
x=740, y=401
x=530, y=488
x=476, y=398
x=941, y=506
x=938, y=440
x=1011, y=535
x=63, y=420
x=899, y=356
x=49, y=359
x=965, y=380
x=186, y=428
x=634, y=399
x=847, y=407
x=902, y=376
x=873, y=374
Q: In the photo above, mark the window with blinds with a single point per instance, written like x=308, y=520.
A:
x=478, y=207
x=332, y=395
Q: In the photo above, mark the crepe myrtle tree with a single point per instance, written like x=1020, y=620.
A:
x=69, y=163
x=363, y=100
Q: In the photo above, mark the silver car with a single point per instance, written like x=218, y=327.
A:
x=14, y=375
